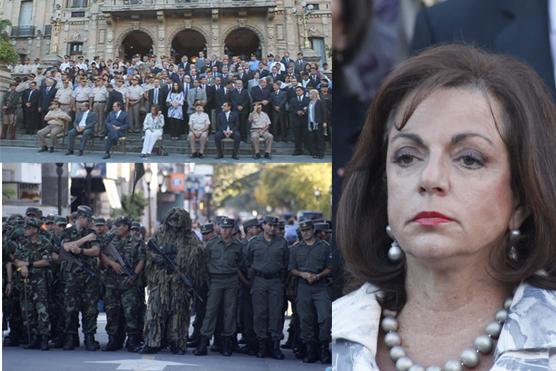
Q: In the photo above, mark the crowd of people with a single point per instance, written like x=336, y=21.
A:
x=235, y=278
x=235, y=99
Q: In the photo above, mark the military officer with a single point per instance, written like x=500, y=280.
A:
x=122, y=286
x=310, y=261
x=268, y=263
x=323, y=231
x=81, y=283
x=57, y=284
x=224, y=254
x=32, y=259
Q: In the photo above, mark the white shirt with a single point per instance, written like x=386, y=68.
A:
x=84, y=119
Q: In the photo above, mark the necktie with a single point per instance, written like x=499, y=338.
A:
x=155, y=96
x=30, y=93
x=299, y=99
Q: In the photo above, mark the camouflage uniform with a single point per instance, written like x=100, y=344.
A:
x=10, y=240
x=56, y=287
x=35, y=305
x=168, y=306
x=81, y=289
x=122, y=295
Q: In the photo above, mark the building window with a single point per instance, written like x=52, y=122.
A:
x=78, y=3
x=77, y=14
x=26, y=14
x=75, y=48
x=317, y=44
x=48, y=30
x=315, y=6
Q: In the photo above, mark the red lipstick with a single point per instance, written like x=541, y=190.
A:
x=431, y=218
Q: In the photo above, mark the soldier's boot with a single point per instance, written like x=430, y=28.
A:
x=325, y=356
x=269, y=347
x=234, y=344
x=44, y=342
x=112, y=344
x=216, y=344
x=4, y=131
x=227, y=346
x=202, y=347
x=311, y=355
x=90, y=343
x=276, y=352
x=289, y=343
x=148, y=350
x=69, y=343
x=261, y=352
x=76, y=340
x=133, y=343
x=34, y=344
x=176, y=349
x=58, y=341
x=194, y=339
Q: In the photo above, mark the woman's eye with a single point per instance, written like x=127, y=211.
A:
x=404, y=158
x=471, y=160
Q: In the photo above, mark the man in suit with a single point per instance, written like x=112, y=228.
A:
x=298, y=107
x=30, y=103
x=278, y=113
x=276, y=75
x=241, y=75
x=185, y=64
x=116, y=125
x=157, y=95
x=299, y=63
x=240, y=105
x=195, y=94
x=84, y=124
x=261, y=93
x=46, y=96
x=113, y=96
x=223, y=95
x=227, y=126
x=286, y=59
x=201, y=62
x=516, y=28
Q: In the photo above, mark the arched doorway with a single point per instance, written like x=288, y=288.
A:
x=188, y=42
x=243, y=42
x=136, y=42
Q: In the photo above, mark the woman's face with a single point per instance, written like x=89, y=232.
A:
x=448, y=179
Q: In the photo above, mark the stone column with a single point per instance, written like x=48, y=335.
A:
x=214, y=46
x=161, y=46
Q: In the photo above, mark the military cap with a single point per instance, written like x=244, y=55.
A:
x=306, y=224
x=60, y=220
x=207, y=228
x=281, y=224
x=33, y=212
x=218, y=219
x=321, y=226
x=271, y=220
x=34, y=223
x=49, y=219
x=227, y=223
x=15, y=218
x=84, y=210
x=251, y=223
x=122, y=220
x=100, y=221
x=135, y=225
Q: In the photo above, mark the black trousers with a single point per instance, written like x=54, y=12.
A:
x=174, y=127
x=299, y=125
x=218, y=139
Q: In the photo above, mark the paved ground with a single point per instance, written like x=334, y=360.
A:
x=14, y=154
x=19, y=359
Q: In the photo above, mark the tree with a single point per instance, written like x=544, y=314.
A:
x=8, y=55
x=132, y=206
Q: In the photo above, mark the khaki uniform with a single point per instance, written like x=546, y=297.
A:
x=134, y=97
x=81, y=94
x=64, y=95
x=99, y=95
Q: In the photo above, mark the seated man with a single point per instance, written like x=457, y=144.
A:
x=260, y=123
x=227, y=126
x=84, y=124
x=199, y=124
x=55, y=124
x=116, y=123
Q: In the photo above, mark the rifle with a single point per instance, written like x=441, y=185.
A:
x=113, y=253
x=26, y=304
x=170, y=263
x=69, y=257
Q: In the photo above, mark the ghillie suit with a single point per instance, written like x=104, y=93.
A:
x=169, y=301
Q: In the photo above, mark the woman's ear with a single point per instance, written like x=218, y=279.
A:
x=519, y=215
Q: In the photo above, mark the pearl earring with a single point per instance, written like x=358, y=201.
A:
x=395, y=253
x=515, y=234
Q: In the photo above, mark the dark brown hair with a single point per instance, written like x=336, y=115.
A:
x=528, y=129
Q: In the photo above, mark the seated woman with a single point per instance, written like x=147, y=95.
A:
x=199, y=124
x=152, y=127
x=447, y=221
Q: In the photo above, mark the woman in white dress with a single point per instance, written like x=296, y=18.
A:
x=175, y=102
x=152, y=127
x=198, y=130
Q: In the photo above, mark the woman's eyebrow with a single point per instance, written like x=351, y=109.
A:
x=462, y=136
x=413, y=137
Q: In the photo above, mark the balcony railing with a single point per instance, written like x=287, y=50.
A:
x=48, y=30
x=141, y=5
x=23, y=31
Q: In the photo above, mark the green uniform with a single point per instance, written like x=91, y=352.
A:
x=123, y=296
x=13, y=306
x=35, y=305
x=314, y=297
x=268, y=263
x=223, y=264
x=56, y=296
x=245, y=301
x=81, y=289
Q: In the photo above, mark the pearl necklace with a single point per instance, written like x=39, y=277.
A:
x=469, y=358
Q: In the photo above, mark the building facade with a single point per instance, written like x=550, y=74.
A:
x=121, y=28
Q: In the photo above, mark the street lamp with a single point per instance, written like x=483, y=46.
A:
x=148, y=177
x=160, y=179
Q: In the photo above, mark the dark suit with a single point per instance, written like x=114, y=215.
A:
x=299, y=121
x=221, y=125
x=314, y=130
x=30, y=114
x=111, y=132
x=114, y=96
x=90, y=122
x=241, y=99
x=278, y=116
x=45, y=98
x=299, y=65
x=160, y=99
x=186, y=66
x=517, y=28
x=258, y=95
x=221, y=97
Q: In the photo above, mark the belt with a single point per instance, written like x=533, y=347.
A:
x=81, y=101
x=100, y=101
x=64, y=104
x=268, y=276
x=133, y=100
